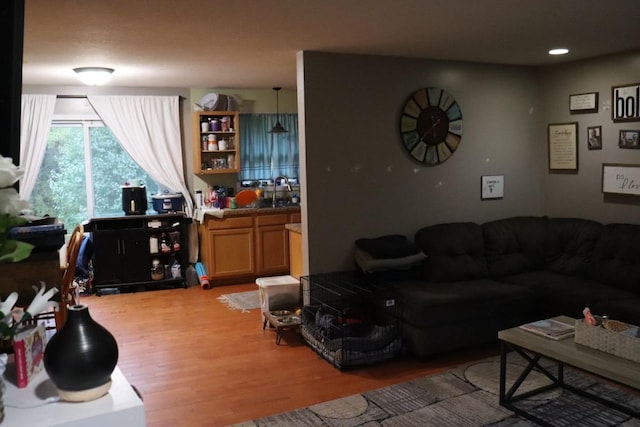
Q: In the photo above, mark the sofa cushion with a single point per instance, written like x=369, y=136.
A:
x=441, y=303
x=617, y=257
x=455, y=251
x=559, y=294
x=573, y=242
x=516, y=245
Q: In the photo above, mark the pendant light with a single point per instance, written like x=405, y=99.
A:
x=278, y=128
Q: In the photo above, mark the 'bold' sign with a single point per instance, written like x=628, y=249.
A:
x=626, y=103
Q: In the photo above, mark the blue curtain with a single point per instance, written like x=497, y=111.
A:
x=267, y=155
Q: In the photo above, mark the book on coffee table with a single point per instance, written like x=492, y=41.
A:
x=550, y=328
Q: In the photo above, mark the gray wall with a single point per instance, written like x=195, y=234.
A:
x=361, y=183
x=579, y=194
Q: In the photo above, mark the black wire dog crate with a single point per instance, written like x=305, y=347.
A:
x=350, y=319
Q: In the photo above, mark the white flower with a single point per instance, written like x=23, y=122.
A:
x=11, y=203
x=41, y=300
x=9, y=173
x=7, y=306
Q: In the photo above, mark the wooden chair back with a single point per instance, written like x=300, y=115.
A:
x=66, y=285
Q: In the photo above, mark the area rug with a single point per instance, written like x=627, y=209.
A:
x=243, y=301
x=465, y=396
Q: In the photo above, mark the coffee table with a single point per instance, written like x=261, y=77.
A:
x=533, y=347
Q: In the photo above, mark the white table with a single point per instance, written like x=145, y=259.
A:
x=121, y=406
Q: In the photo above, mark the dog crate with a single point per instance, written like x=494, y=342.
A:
x=350, y=319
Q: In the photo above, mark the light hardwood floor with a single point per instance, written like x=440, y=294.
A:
x=197, y=363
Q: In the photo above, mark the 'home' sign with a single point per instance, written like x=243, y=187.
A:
x=626, y=103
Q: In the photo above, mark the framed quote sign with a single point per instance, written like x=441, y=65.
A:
x=583, y=103
x=492, y=187
x=563, y=146
x=620, y=178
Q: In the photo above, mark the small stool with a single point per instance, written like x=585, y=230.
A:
x=281, y=323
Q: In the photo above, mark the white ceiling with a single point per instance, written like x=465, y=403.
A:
x=253, y=43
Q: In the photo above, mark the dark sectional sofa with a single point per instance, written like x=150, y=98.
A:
x=480, y=278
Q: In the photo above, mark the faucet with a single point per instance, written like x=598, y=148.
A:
x=275, y=186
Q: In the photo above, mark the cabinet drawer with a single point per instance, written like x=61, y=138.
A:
x=239, y=222
x=275, y=219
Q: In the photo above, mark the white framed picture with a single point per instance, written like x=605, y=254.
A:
x=492, y=187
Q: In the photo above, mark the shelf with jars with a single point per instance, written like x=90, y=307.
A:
x=217, y=147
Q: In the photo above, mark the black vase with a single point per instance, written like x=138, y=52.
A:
x=81, y=356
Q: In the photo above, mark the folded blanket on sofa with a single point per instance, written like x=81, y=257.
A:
x=389, y=246
x=368, y=264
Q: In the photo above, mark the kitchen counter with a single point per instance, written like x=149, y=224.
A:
x=295, y=227
x=200, y=214
x=261, y=211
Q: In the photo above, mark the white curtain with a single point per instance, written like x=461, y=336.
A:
x=148, y=128
x=35, y=122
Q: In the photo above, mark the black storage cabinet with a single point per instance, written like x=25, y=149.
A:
x=121, y=251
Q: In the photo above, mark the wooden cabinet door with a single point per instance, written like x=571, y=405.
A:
x=231, y=253
x=272, y=250
x=121, y=257
x=107, y=261
x=135, y=256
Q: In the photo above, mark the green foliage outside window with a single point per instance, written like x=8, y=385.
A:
x=61, y=187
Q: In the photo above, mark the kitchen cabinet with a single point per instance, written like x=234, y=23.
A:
x=216, y=143
x=272, y=244
x=120, y=256
x=123, y=256
x=228, y=247
x=246, y=244
x=295, y=250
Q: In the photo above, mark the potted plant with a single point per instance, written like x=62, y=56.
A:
x=11, y=207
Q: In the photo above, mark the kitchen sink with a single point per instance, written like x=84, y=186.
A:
x=268, y=203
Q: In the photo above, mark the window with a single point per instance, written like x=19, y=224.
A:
x=83, y=169
x=266, y=155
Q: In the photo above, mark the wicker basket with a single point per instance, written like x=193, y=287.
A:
x=608, y=341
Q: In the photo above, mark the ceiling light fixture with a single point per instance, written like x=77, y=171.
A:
x=559, y=51
x=278, y=128
x=94, y=76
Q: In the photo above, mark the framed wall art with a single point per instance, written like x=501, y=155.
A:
x=583, y=103
x=492, y=187
x=594, y=137
x=563, y=146
x=618, y=178
x=625, y=103
x=629, y=139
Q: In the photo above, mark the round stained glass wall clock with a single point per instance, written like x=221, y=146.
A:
x=431, y=125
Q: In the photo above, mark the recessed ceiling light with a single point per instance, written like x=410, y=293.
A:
x=94, y=76
x=559, y=51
